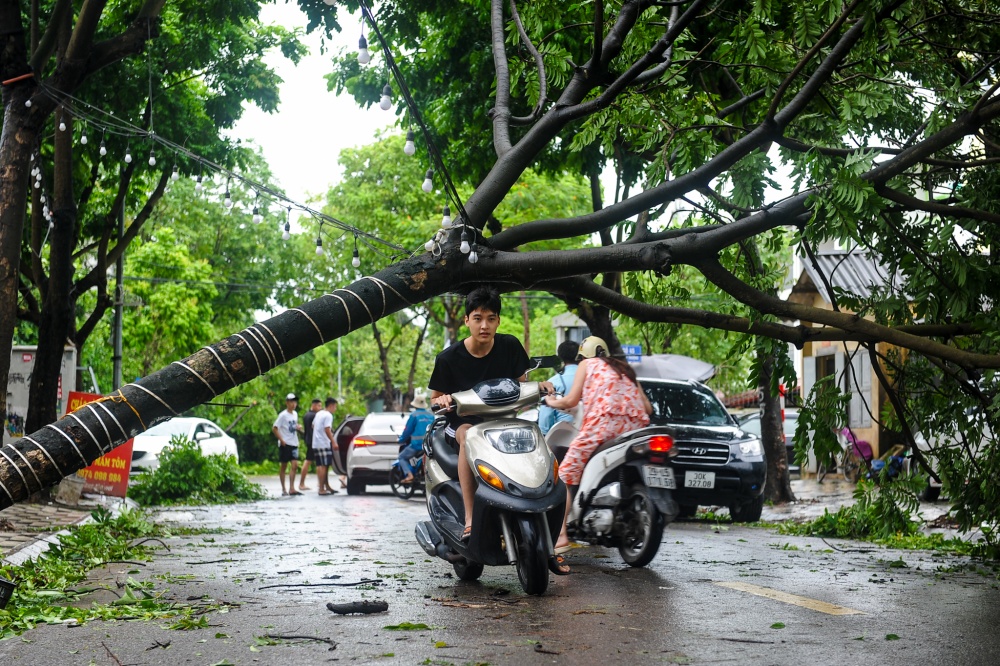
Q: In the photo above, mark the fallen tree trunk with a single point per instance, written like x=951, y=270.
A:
x=44, y=457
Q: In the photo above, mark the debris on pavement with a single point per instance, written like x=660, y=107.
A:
x=365, y=607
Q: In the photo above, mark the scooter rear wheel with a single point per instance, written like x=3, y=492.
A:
x=399, y=489
x=643, y=528
x=466, y=570
x=532, y=559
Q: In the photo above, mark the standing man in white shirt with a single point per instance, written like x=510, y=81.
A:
x=322, y=440
x=286, y=428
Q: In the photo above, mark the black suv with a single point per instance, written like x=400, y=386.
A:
x=717, y=462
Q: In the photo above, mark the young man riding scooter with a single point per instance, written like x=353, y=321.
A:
x=484, y=355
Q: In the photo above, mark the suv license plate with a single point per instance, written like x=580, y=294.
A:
x=699, y=479
x=658, y=477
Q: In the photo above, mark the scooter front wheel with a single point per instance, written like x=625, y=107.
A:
x=643, y=528
x=532, y=558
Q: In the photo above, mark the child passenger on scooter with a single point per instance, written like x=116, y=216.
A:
x=484, y=355
x=613, y=403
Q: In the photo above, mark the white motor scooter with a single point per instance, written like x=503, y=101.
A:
x=519, y=502
x=624, y=499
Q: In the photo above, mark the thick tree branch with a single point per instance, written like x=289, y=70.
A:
x=810, y=54
x=47, y=42
x=650, y=59
x=539, y=65
x=501, y=110
x=936, y=207
x=668, y=55
x=722, y=278
x=128, y=42
x=93, y=278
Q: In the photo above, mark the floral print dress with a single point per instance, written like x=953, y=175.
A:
x=612, y=405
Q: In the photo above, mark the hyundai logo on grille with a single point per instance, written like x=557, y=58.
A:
x=699, y=450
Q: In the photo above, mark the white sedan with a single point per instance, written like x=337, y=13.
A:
x=146, y=447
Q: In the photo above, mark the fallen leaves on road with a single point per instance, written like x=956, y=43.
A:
x=408, y=626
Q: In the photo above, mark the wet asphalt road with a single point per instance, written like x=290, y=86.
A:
x=277, y=563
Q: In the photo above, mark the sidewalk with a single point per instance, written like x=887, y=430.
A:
x=25, y=529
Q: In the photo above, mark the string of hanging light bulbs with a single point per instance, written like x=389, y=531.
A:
x=108, y=124
x=409, y=148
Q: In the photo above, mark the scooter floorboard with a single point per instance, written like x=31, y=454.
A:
x=445, y=519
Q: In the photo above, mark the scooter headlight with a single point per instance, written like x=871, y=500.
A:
x=512, y=440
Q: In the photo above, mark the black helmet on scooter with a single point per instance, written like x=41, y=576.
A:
x=593, y=346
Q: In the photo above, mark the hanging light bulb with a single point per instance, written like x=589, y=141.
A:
x=27, y=103
x=319, y=246
x=228, y=201
x=176, y=174
x=464, y=247
x=473, y=255
x=409, y=147
x=386, y=100
x=355, y=259
x=286, y=234
x=428, y=181
x=429, y=245
x=446, y=219
x=128, y=156
x=198, y=187
x=364, y=57
x=257, y=217
x=83, y=136
x=103, y=151
x=62, y=124
x=152, y=159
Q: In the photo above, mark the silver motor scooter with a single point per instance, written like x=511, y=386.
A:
x=520, y=500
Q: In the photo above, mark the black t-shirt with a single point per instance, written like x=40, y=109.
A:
x=307, y=424
x=455, y=369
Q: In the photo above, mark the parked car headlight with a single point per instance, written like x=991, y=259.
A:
x=751, y=447
x=513, y=440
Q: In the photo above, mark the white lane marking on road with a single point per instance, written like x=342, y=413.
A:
x=794, y=599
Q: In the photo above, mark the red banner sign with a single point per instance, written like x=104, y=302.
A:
x=108, y=475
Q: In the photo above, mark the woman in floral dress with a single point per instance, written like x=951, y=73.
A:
x=613, y=403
